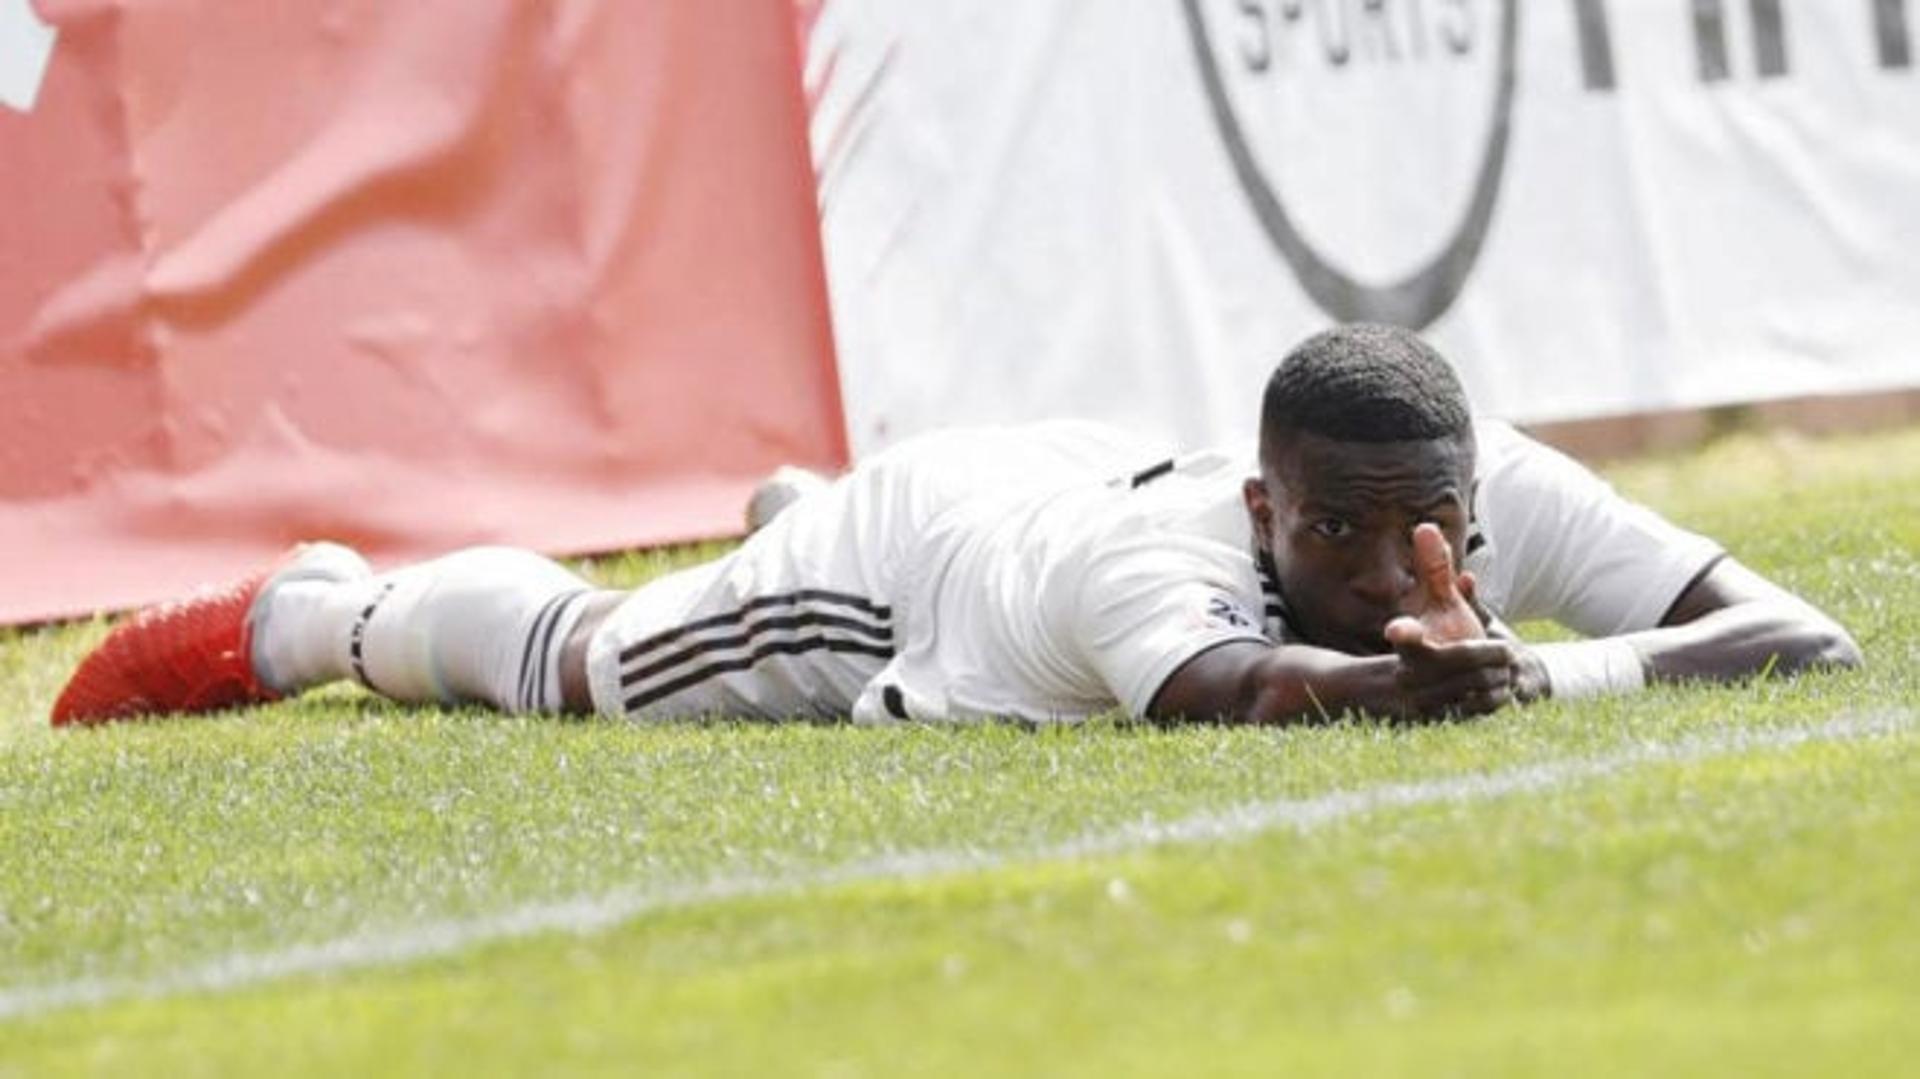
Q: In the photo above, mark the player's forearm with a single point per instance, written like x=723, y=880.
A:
x=1247, y=682
x=1310, y=685
x=1747, y=639
x=1740, y=641
x=1298, y=684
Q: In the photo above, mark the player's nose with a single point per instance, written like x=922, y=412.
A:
x=1386, y=578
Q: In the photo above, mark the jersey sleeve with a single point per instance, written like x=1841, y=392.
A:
x=1152, y=602
x=1567, y=547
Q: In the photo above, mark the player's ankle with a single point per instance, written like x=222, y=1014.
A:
x=291, y=618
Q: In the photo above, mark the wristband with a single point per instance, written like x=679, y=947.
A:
x=1578, y=669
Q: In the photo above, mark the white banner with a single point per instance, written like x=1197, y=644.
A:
x=1129, y=209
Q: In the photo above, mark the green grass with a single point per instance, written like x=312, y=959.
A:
x=1748, y=911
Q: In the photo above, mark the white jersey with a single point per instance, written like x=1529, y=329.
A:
x=1056, y=571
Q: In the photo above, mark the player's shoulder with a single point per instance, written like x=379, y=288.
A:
x=1526, y=493
x=1498, y=444
x=1196, y=493
x=1509, y=458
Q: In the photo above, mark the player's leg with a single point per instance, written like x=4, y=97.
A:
x=485, y=625
x=480, y=626
x=576, y=690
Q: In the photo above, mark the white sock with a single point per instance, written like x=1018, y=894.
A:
x=482, y=625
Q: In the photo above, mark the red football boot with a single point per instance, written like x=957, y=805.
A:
x=187, y=655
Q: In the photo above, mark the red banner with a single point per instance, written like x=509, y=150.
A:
x=407, y=275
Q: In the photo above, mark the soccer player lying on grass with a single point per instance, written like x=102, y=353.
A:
x=1046, y=573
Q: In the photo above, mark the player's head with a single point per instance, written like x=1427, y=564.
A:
x=1364, y=433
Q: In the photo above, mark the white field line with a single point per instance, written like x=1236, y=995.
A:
x=584, y=915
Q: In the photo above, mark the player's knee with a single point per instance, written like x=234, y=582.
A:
x=576, y=690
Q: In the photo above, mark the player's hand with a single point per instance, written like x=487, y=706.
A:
x=1442, y=601
x=1439, y=678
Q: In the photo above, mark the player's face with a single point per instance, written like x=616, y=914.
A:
x=1338, y=519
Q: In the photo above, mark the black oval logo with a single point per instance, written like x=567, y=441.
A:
x=1417, y=299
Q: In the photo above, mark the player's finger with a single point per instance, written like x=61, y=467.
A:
x=1459, y=701
x=1407, y=636
x=1470, y=591
x=1483, y=702
x=1480, y=678
x=1438, y=711
x=1435, y=691
x=1433, y=563
x=1432, y=663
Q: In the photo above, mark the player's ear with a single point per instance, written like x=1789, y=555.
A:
x=1259, y=507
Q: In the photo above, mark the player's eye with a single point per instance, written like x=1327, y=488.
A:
x=1332, y=528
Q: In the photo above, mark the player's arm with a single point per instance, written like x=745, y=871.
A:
x=1250, y=682
x=1657, y=603
x=1733, y=623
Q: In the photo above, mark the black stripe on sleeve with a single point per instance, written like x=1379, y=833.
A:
x=1152, y=472
x=1712, y=564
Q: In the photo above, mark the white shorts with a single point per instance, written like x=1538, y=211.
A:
x=800, y=618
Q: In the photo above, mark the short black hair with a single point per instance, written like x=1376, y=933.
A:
x=1364, y=383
